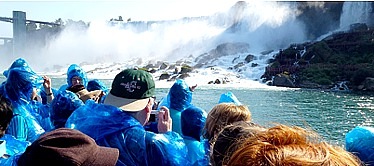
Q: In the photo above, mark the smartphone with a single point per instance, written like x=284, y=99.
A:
x=153, y=117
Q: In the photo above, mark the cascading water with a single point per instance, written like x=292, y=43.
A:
x=264, y=26
x=356, y=12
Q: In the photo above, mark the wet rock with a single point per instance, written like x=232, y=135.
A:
x=183, y=76
x=254, y=65
x=185, y=69
x=217, y=81
x=249, y=58
x=239, y=65
x=283, y=81
x=164, y=76
x=368, y=84
x=164, y=65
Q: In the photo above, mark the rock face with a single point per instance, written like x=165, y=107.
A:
x=223, y=50
x=343, y=56
x=283, y=81
x=367, y=85
x=249, y=58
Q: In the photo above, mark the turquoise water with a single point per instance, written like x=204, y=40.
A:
x=331, y=114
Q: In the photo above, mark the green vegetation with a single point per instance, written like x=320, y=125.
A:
x=344, y=56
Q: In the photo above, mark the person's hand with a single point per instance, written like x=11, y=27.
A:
x=192, y=88
x=98, y=98
x=164, y=120
x=47, y=84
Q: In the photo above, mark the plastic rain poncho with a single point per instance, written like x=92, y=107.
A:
x=178, y=99
x=11, y=161
x=42, y=115
x=20, y=62
x=96, y=84
x=193, y=121
x=62, y=106
x=360, y=141
x=14, y=146
x=229, y=97
x=43, y=94
x=18, y=89
x=111, y=127
x=75, y=70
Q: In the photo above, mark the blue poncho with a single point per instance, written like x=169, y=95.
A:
x=14, y=146
x=111, y=127
x=178, y=99
x=43, y=94
x=193, y=121
x=96, y=84
x=229, y=97
x=18, y=89
x=20, y=62
x=75, y=70
x=360, y=141
x=63, y=106
x=41, y=114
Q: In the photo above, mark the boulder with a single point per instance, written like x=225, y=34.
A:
x=240, y=64
x=249, y=58
x=217, y=81
x=164, y=76
x=254, y=64
x=283, y=81
x=183, y=76
x=164, y=65
x=368, y=84
x=185, y=69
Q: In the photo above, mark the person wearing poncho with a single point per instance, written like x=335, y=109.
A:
x=75, y=76
x=178, y=99
x=119, y=122
x=20, y=88
x=193, y=121
x=10, y=147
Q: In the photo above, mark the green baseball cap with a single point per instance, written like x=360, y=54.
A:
x=131, y=90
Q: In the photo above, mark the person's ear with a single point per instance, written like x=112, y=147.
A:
x=148, y=108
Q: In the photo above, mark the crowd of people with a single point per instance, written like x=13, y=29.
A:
x=86, y=123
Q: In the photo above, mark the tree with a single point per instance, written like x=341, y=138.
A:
x=31, y=27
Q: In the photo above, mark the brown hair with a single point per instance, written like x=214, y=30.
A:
x=6, y=114
x=224, y=114
x=283, y=145
x=228, y=139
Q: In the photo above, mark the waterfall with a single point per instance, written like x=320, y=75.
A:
x=356, y=12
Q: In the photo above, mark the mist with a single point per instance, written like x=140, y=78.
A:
x=263, y=25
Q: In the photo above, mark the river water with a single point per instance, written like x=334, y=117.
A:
x=331, y=114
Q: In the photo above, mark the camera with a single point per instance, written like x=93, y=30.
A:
x=153, y=116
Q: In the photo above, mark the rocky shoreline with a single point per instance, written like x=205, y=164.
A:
x=343, y=61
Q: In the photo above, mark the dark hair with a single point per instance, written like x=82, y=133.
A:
x=6, y=114
x=229, y=138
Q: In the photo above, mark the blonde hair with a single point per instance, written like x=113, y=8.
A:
x=283, y=145
x=224, y=114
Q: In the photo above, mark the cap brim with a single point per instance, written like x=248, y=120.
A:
x=90, y=95
x=105, y=157
x=132, y=105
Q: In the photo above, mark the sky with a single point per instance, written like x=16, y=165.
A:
x=87, y=11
